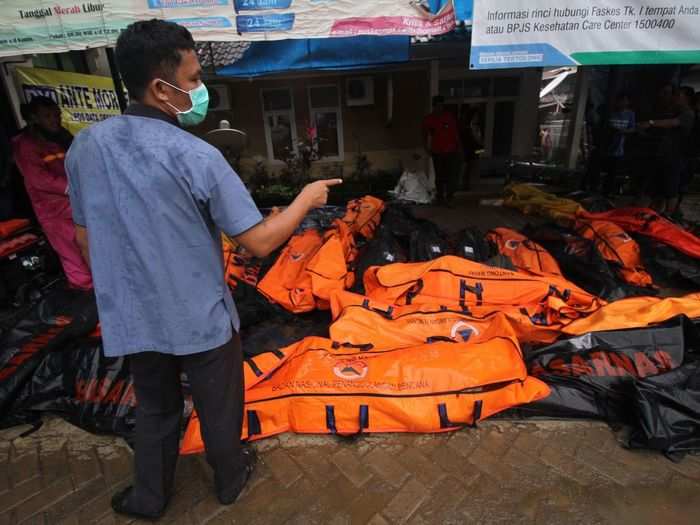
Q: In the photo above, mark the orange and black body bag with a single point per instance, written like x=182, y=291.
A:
x=618, y=248
x=636, y=312
x=648, y=222
x=310, y=268
x=367, y=323
x=12, y=227
x=331, y=269
x=455, y=281
x=288, y=283
x=364, y=215
x=239, y=264
x=14, y=237
x=526, y=255
x=9, y=247
x=256, y=368
x=430, y=388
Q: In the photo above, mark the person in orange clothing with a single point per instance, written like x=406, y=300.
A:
x=39, y=152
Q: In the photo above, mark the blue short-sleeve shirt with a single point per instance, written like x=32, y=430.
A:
x=154, y=199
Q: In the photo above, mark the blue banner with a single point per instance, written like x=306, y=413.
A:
x=318, y=53
x=210, y=22
x=464, y=10
x=259, y=5
x=265, y=23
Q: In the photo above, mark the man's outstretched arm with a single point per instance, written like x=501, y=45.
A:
x=265, y=237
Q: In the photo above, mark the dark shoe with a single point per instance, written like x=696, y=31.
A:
x=120, y=505
x=230, y=494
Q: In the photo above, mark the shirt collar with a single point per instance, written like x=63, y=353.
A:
x=142, y=110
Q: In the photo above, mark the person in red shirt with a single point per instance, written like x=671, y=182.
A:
x=441, y=135
x=39, y=152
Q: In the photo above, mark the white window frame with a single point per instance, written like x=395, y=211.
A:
x=290, y=113
x=337, y=109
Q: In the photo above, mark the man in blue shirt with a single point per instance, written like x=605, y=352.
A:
x=622, y=122
x=149, y=200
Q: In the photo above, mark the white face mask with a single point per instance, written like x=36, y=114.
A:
x=199, y=99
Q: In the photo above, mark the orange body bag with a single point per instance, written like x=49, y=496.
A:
x=364, y=215
x=255, y=369
x=239, y=264
x=649, y=223
x=429, y=388
x=636, y=312
x=360, y=320
x=310, y=268
x=331, y=269
x=526, y=255
x=15, y=244
x=618, y=248
x=288, y=283
x=452, y=280
x=12, y=226
x=368, y=324
x=259, y=367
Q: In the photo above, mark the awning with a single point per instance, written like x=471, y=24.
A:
x=319, y=54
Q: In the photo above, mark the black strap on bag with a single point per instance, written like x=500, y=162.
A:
x=363, y=420
x=414, y=291
x=445, y=421
x=477, y=290
x=534, y=248
x=330, y=419
x=256, y=370
x=439, y=339
x=254, y=427
x=362, y=347
x=554, y=291
x=385, y=313
x=536, y=319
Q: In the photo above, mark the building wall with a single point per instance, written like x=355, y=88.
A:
x=388, y=144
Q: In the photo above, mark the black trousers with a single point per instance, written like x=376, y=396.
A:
x=446, y=172
x=613, y=165
x=216, y=379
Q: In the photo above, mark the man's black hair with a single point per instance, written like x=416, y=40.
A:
x=30, y=109
x=438, y=99
x=149, y=49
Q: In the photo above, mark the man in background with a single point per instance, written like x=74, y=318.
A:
x=441, y=139
x=621, y=122
x=673, y=133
